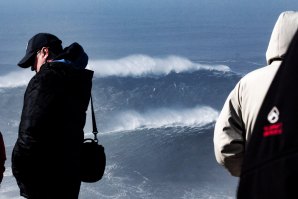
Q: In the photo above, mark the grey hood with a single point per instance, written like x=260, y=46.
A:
x=282, y=34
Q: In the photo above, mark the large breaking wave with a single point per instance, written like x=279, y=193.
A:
x=146, y=91
x=163, y=117
x=155, y=117
x=133, y=65
x=142, y=65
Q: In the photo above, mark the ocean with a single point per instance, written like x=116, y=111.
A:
x=163, y=70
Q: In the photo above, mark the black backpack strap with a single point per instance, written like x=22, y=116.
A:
x=94, y=131
x=270, y=165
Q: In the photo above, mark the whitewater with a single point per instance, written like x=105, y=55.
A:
x=133, y=65
x=155, y=116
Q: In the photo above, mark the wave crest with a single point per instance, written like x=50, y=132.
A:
x=16, y=79
x=133, y=65
x=142, y=65
x=164, y=117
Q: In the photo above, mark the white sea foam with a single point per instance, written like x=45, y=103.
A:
x=142, y=65
x=130, y=120
x=16, y=78
x=9, y=188
x=133, y=65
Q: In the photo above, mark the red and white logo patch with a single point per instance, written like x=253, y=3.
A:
x=274, y=128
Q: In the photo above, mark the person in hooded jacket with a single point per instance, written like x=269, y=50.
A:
x=46, y=155
x=2, y=157
x=236, y=121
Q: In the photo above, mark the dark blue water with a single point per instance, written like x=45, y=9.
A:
x=236, y=32
x=162, y=72
x=157, y=131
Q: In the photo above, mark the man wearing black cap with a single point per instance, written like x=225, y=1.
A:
x=46, y=156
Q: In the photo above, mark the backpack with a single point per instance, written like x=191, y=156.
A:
x=270, y=165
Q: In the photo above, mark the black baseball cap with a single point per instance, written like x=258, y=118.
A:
x=36, y=43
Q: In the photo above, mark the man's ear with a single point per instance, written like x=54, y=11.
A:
x=45, y=51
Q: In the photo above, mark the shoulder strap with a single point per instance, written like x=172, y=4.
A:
x=94, y=131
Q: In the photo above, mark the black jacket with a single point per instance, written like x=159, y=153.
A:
x=2, y=157
x=46, y=156
x=270, y=165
